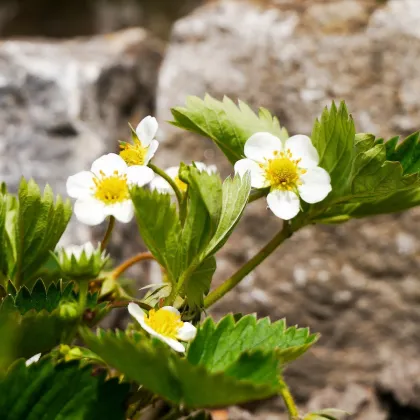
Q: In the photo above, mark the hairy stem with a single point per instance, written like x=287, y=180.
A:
x=289, y=401
x=231, y=282
x=142, y=256
x=169, y=180
x=108, y=232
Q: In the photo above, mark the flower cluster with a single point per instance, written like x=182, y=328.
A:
x=289, y=170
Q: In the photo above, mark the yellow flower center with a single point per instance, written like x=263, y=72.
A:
x=182, y=186
x=111, y=189
x=283, y=172
x=164, y=322
x=133, y=154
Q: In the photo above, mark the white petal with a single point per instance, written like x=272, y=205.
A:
x=212, y=169
x=173, y=171
x=171, y=309
x=123, y=211
x=33, y=359
x=147, y=129
x=136, y=312
x=284, y=204
x=187, y=332
x=108, y=164
x=151, y=150
x=80, y=184
x=258, y=179
x=139, y=175
x=316, y=185
x=176, y=345
x=201, y=166
x=89, y=211
x=88, y=248
x=159, y=184
x=262, y=146
x=302, y=148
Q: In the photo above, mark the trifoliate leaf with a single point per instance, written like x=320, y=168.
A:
x=227, y=124
x=40, y=224
x=217, y=346
x=43, y=391
x=154, y=365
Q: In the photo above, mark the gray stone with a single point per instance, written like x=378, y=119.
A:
x=64, y=104
x=355, y=283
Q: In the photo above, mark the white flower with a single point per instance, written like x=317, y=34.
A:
x=290, y=170
x=104, y=190
x=162, y=186
x=33, y=359
x=165, y=324
x=144, y=144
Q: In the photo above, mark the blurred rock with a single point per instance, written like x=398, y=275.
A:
x=63, y=104
x=355, y=283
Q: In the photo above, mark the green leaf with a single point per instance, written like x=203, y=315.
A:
x=327, y=414
x=333, y=137
x=40, y=224
x=228, y=125
x=36, y=321
x=160, y=228
x=154, y=365
x=43, y=391
x=198, y=284
x=235, y=194
x=217, y=346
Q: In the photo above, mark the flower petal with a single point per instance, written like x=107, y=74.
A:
x=151, y=150
x=172, y=171
x=316, y=185
x=187, y=332
x=80, y=184
x=176, y=345
x=159, y=184
x=302, y=148
x=171, y=309
x=33, y=359
x=258, y=179
x=284, y=204
x=108, y=164
x=135, y=311
x=123, y=211
x=89, y=211
x=139, y=175
x=146, y=130
x=262, y=146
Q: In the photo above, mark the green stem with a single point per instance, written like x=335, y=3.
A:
x=169, y=180
x=257, y=194
x=83, y=290
x=231, y=282
x=289, y=401
x=108, y=232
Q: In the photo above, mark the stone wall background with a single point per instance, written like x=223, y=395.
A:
x=64, y=102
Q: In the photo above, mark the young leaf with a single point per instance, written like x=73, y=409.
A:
x=160, y=228
x=154, y=365
x=40, y=225
x=333, y=137
x=217, y=346
x=228, y=125
x=198, y=284
x=43, y=391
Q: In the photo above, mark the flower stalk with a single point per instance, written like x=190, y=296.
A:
x=108, y=233
x=233, y=281
x=169, y=180
x=289, y=401
x=142, y=256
